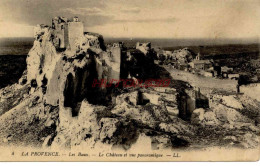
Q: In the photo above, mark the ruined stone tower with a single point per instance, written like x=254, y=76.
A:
x=66, y=32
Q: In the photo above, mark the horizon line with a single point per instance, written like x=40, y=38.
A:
x=171, y=38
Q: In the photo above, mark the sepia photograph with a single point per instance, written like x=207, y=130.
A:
x=129, y=80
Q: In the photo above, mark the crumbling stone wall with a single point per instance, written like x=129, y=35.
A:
x=75, y=32
x=66, y=32
x=59, y=25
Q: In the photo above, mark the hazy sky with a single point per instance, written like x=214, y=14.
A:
x=138, y=18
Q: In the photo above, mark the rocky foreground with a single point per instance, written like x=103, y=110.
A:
x=232, y=121
x=54, y=106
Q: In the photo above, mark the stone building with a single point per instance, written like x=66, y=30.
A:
x=116, y=51
x=225, y=71
x=200, y=64
x=135, y=62
x=66, y=32
x=191, y=100
x=109, y=64
x=117, y=54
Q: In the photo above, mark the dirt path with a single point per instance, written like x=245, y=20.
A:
x=204, y=83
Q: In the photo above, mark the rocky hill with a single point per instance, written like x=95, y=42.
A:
x=55, y=105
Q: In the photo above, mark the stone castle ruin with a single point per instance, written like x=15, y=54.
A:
x=61, y=68
x=55, y=105
x=65, y=31
x=69, y=60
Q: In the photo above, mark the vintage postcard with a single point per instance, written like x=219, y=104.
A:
x=129, y=80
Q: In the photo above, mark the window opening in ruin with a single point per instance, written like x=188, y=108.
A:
x=59, y=43
x=69, y=95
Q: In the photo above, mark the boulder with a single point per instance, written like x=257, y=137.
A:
x=231, y=101
x=130, y=98
x=173, y=110
x=197, y=116
x=210, y=119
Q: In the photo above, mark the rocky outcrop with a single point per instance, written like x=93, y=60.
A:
x=63, y=79
x=176, y=57
x=122, y=125
x=55, y=105
x=183, y=55
x=144, y=47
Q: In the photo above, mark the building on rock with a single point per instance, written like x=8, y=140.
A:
x=66, y=32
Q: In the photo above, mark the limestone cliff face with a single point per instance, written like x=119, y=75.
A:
x=65, y=76
x=42, y=57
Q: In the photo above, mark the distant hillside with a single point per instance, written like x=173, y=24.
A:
x=11, y=69
x=15, y=46
x=21, y=46
x=222, y=50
